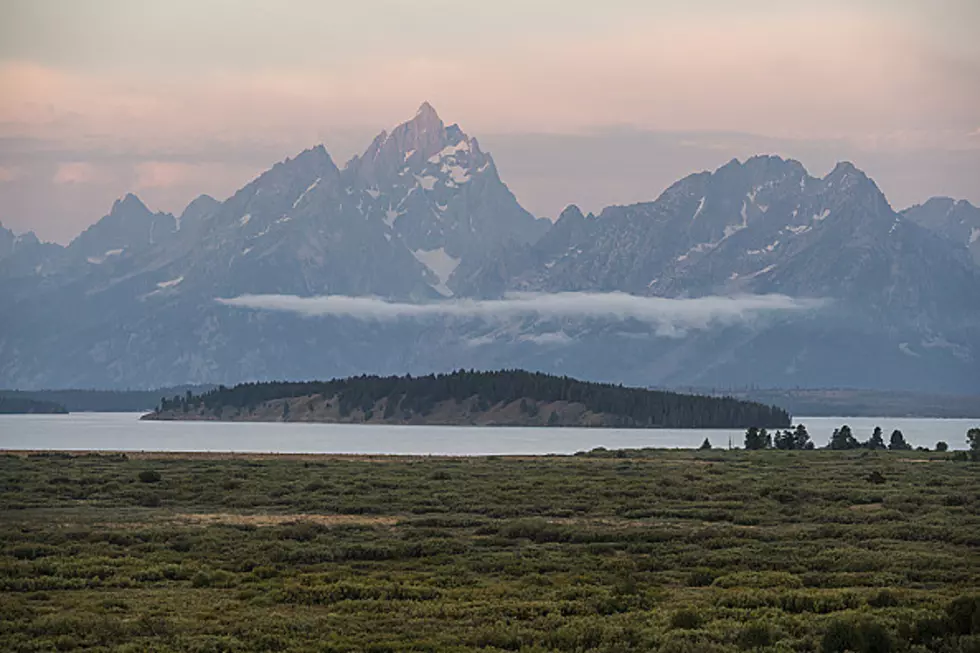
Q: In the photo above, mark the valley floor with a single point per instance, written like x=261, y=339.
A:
x=608, y=551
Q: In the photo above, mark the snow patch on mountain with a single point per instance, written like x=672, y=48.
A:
x=171, y=283
x=765, y=250
x=459, y=174
x=303, y=194
x=450, y=150
x=427, y=182
x=700, y=208
x=759, y=273
x=733, y=229
x=907, y=350
x=101, y=259
x=441, y=264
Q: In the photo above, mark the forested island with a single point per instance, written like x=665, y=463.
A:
x=500, y=398
x=22, y=406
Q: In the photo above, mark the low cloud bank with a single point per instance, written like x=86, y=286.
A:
x=669, y=316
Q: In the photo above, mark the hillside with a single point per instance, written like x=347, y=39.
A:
x=99, y=401
x=505, y=398
x=23, y=406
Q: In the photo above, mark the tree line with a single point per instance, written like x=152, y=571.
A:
x=22, y=405
x=632, y=407
x=843, y=439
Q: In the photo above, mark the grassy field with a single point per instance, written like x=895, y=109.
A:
x=612, y=551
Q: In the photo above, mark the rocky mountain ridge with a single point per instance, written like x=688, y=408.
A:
x=423, y=216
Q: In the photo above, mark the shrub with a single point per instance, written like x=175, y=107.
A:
x=149, y=476
x=856, y=636
x=149, y=500
x=686, y=620
x=883, y=599
x=755, y=636
x=964, y=615
x=699, y=578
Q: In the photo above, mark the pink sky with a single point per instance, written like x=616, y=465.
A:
x=191, y=97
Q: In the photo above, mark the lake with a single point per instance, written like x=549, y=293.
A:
x=124, y=432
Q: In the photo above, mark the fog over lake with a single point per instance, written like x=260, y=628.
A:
x=124, y=432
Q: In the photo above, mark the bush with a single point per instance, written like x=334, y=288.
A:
x=686, y=620
x=149, y=500
x=964, y=615
x=883, y=599
x=755, y=636
x=942, y=446
x=857, y=637
x=699, y=578
x=149, y=476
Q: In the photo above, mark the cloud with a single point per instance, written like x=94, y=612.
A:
x=77, y=172
x=552, y=338
x=9, y=173
x=669, y=317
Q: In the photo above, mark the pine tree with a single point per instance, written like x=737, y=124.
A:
x=973, y=439
x=801, y=438
x=897, y=442
x=843, y=439
x=756, y=439
x=876, y=441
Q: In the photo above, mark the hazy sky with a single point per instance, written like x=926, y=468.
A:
x=579, y=101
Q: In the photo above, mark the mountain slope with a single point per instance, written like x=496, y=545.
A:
x=959, y=221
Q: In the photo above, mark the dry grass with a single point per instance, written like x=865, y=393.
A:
x=208, y=519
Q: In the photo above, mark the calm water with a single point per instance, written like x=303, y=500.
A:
x=124, y=432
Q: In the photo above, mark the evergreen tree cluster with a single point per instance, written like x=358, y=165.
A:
x=843, y=439
x=790, y=440
x=21, y=405
x=632, y=407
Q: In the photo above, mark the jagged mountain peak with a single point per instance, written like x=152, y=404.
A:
x=314, y=157
x=425, y=133
x=427, y=115
x=943, y=203
x=129, y=225
x=198, y=209
x=129, y=205
x=956, y=220
x=571, y=212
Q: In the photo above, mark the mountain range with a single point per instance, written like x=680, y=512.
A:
x=438, y=252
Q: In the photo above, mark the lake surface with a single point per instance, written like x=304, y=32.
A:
x=124, y=432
